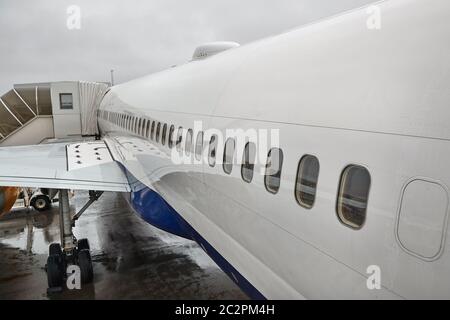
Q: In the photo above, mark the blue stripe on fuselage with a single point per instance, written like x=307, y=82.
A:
x=149, y=205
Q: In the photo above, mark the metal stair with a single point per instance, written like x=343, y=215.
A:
x=21, y=105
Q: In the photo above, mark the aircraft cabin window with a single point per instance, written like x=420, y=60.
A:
x=143, y=128
x=179, y=138
x=188, y=145
x=164, y=133
x=199, y=146
x=147, y=129
x=272, y=177
x=228, y=155
x=139, y=126
x=152, y=133
x=212, y=151
x=353, y=195
x=158, y=131
x=171, y=131
x=306, y=183
x=248, y=162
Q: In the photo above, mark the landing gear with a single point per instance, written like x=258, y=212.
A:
x=71, y=250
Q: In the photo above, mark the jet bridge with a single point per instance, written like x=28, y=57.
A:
x=32, y=113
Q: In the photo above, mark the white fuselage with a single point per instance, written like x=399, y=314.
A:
x=336, y=90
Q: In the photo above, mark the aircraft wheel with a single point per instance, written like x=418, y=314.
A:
x=41, y=203
x=55, y=275
x=55, y=249
x=85, y=264
x=83, y=244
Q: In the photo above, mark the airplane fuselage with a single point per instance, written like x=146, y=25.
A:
x=369, y=111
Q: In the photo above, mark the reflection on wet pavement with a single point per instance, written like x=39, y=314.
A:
x=132, y=259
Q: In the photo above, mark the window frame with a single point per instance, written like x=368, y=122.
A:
x=198, y=153
x=244, y=163
x=61, y=102
x=189, y=139
x=279, y=171
x=225, y=153
x=158, y=132
x=171, y=132
x=163, y=134
x=300, y=162
x=213, y=146
x=179, y=139
x=344, y=220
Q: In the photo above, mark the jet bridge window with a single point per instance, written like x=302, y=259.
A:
x=212, y=151
x=228, y=155
x=171, y=132
x=199, y=146
x=188, y=145
x=272, y=177
x=353, y=196
x=179, y=138
x=248, y=162
x=164, y=133
x=306, y=183
x=65, y=101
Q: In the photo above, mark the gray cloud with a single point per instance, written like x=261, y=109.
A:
x=135, y=37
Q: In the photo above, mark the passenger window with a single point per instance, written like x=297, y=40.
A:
x=164, y=132
x=141, y=127
x=306, y=181
x=199, y=146
x=152, y=133
x=147, y=129
x=158, y=131
x=248, y=162
x=179, y=138
x=272, y=177
x=188, y=145
x=171, y=131
x=228, y=155
x=212, y=151
x=353, y=195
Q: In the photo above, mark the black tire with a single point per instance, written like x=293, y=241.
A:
x=83, y=244
x=55, y=249
x=41, y=203
x=54, y=275
x=85, y=264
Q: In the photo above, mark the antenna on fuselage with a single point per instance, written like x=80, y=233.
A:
x=112, y=77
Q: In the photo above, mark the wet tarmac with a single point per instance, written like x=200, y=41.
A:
x=131, y=259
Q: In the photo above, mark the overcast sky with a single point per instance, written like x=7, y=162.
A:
x=135, y=37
